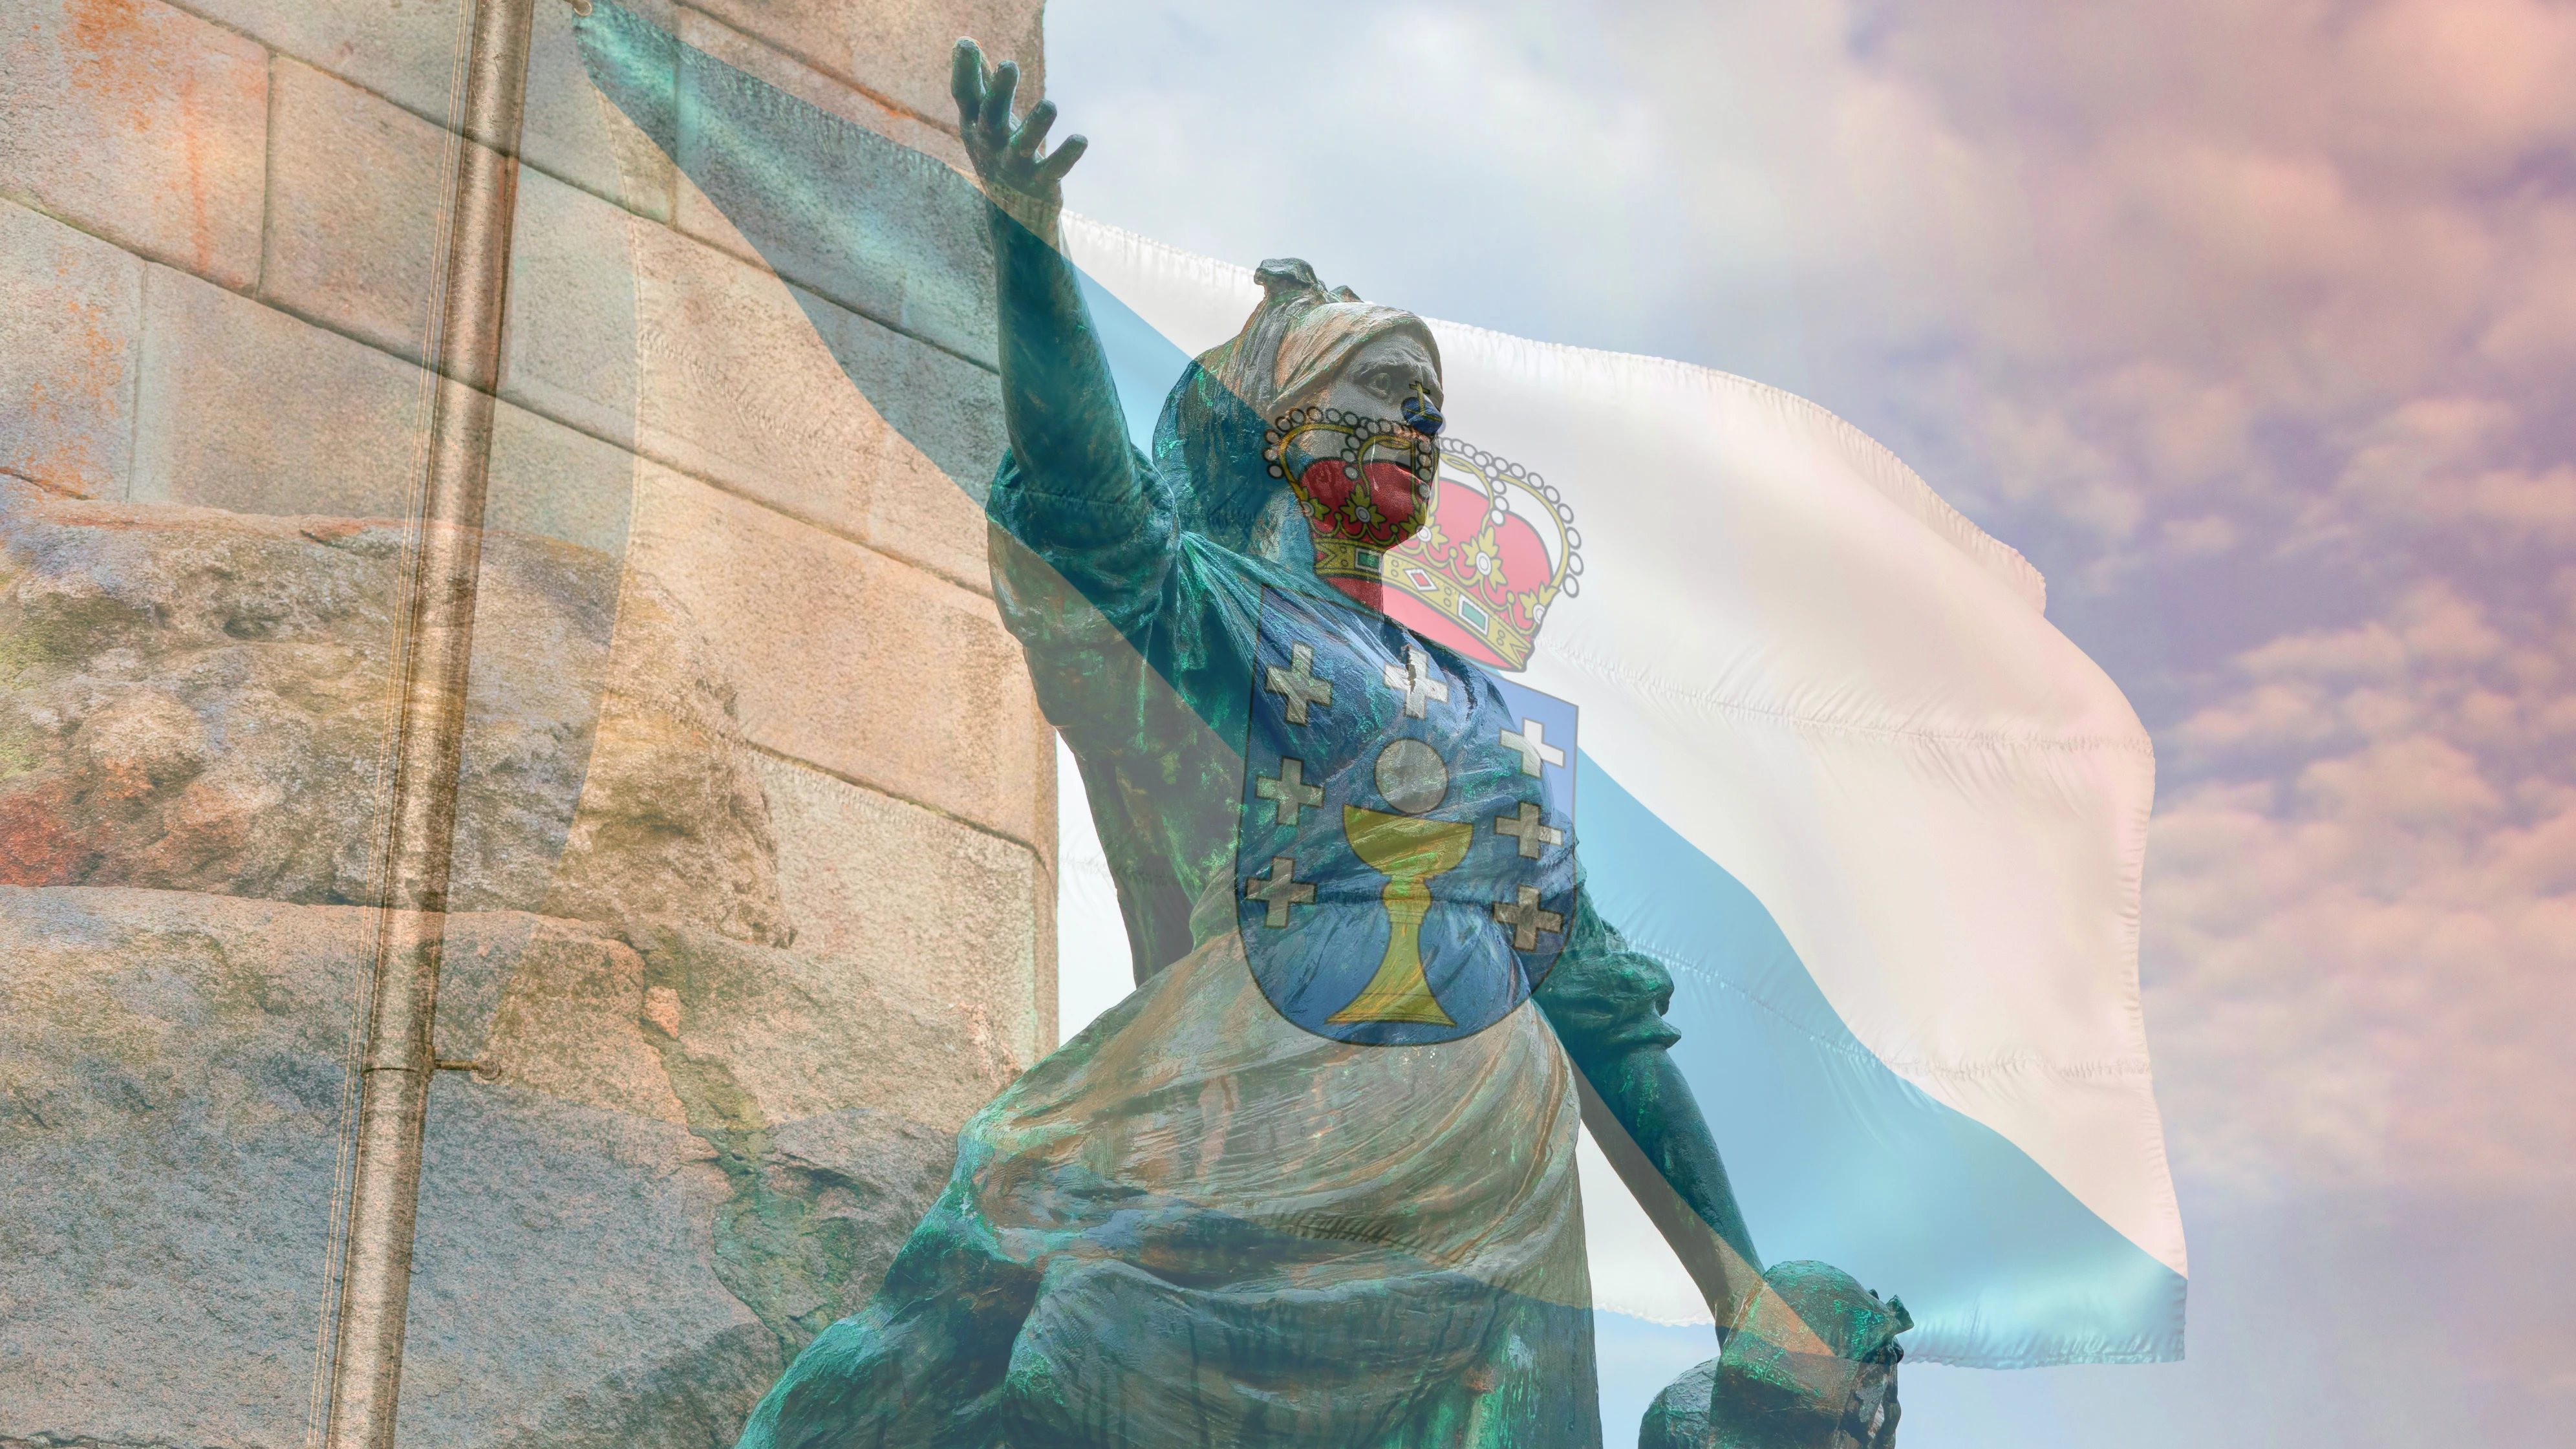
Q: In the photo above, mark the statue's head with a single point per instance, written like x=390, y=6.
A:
x=1323, y=407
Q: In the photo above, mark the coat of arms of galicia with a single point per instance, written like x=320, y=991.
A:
x=1406, y=846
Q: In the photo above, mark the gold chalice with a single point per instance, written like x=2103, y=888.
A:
x=1408, y=852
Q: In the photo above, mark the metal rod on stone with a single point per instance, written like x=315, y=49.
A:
x=396, y=1066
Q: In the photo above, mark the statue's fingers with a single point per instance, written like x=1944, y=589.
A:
x=966, y=81
x=1032, y=132
x=992, y=118
x=997, y=101
x=1052, y=169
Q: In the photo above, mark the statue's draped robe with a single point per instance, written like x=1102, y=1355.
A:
x=1198, y=1223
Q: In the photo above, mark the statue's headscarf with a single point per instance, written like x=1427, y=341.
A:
x=1207, y=445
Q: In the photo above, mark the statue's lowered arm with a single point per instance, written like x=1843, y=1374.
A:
x=1606, y=1002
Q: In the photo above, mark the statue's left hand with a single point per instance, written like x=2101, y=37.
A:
x=1006, y=155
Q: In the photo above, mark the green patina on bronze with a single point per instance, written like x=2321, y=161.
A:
x=1811, y=1364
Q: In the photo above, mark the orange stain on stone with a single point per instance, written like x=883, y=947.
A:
x=115, y=52
x=192, y=136
x=129, y=55
x=37, y=848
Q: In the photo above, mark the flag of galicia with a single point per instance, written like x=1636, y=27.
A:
x=1406, y=850
x=1879, y=821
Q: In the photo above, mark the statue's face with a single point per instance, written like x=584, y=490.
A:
x=1377, y=378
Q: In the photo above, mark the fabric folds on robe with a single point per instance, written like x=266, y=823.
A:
x=1197, y=1223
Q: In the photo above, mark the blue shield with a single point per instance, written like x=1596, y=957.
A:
x=1405, y=857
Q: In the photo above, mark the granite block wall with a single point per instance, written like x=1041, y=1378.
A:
x=756, y=853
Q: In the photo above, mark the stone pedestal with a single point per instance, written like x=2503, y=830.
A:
x=754, y=869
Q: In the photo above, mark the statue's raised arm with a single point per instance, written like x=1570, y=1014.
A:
x=1058, y=402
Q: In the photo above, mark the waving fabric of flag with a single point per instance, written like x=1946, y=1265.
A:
x=1837, y=773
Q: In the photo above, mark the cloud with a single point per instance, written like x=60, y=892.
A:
x=2347, y=992
x=2441, y=461
x=2453, y=85
x=2207, y=534
x=2360, y=914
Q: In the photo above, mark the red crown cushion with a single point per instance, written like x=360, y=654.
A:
x=1522, y=565
x=1459, y=510
x=1326, y=483
x=1390, y=490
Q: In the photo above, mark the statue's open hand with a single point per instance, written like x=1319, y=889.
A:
x=1006, y=156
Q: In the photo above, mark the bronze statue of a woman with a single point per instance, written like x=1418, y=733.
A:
x=1217, y=1216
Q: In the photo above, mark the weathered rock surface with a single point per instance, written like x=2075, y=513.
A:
x=171, y=1088
x=200, y=700
x=827, y=1112
x=688, y=1146
x=672, y=820
x=671, y=1172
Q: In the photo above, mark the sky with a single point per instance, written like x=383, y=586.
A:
x=2248, y=323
